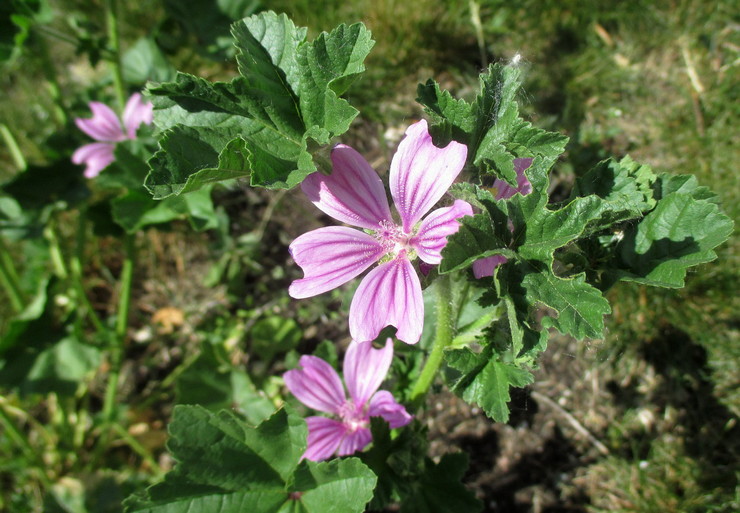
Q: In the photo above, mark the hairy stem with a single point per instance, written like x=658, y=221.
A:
x=442, y=339
x=111, y=18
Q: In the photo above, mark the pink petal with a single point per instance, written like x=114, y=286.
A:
x=96, y=156
x=384, y=405
x=316, y=384
x=354, y=442
x=136, y=112
x=324, y=437
x=506, y=191
x=103, y=126
x=421, y=173
x=436, y=227
x=389, y=295
x=365, y=369
x=353, y=193
x=330, y=257
x=485, y=266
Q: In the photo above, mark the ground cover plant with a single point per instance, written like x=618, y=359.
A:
x=181, y=287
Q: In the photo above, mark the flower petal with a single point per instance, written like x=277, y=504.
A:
x=365, y=369
x=485, y=266
x=389, y=295
x=353, y=193
x=324, y=437
x=506, y=191
x=96, y=156
x=384, y=405
x=421, y=173
x=432, y=235
x=330, y=257
x=103, y=125
x=354, y=442
x=136, y=112
x=316, y=384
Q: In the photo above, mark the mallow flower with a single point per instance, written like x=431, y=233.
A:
x=353, y=193
x=105, y=127
x=316, y=384
x=502, y=190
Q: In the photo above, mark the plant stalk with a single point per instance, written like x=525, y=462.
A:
x=9, y=279
x=442, y=339
x=76, y=268
x=116, y=350
x=111, y=18
x=15, y=151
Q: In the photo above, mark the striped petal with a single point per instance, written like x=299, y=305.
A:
x=353, y=193
x=436, y=227
x=137, y=111
x=389, y=295
x=365, y=369
x=316, y=384
x=355, y=441
x=103, y=126
x=421, y=173
x=324, y=437
x=96, y=157
x=506, y=191
x=330, y=257
x=384, y=405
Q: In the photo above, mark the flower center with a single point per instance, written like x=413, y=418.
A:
x=353, y=418
x=394, y=240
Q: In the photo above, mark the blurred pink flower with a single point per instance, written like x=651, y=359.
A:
x=390, y=294
x=502, y=190
x=105, y=127
x=317, y=385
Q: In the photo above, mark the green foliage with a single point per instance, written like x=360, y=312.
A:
x=264, y=123
x=407, y=476
x=491, y=126
x=622, y=222
x=227, y=466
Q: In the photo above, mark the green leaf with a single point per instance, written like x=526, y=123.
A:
x=260, y=123
x=144, y=61
x=485, y=380
x=491, y=126
x=328, y=66
x=274, y=334
x=579, y=308
x=679, y=233
x=439, y=489
x=61, y=368
x=539, y=231
x=625, y=188
x=136, y=209
x=336, y=486
x=226, y=466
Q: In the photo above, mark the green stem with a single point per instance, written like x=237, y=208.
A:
x=15, y=151
x=139, y=449
x=20, y=438
x=111, y=18
x=9, y=279
x=76, y=268
x=116, y=350
x=442, y=339
x=55, y=251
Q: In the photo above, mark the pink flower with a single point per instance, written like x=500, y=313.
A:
x=390, y=294
x=317, y=385
x=502, y=190
x=105, y=127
